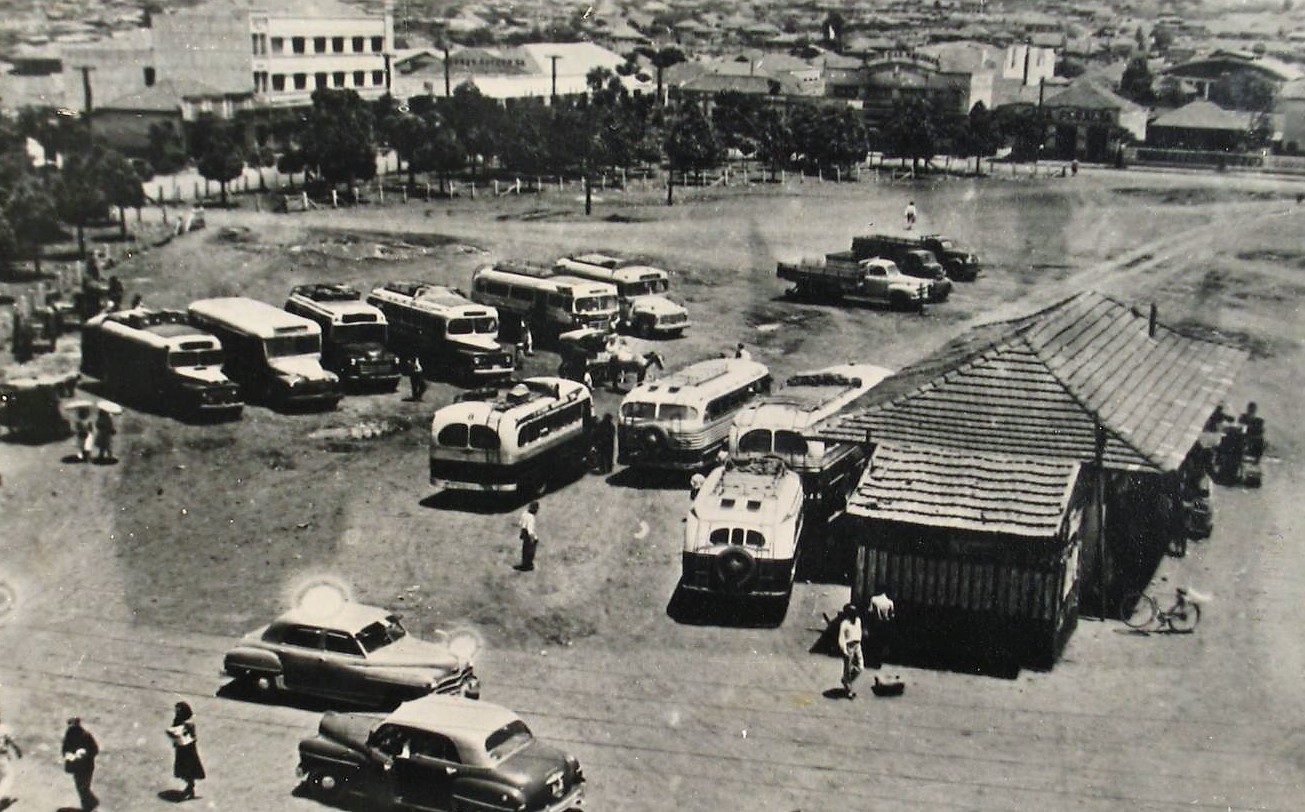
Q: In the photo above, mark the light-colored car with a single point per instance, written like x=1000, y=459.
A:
x=355, y=653
x=440, y=753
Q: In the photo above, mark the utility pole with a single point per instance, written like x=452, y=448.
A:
x=1099, y=505
x=448, y=85
x=552, y=97
x=87, y=100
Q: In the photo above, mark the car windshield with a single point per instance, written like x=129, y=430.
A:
x=373, y=333
x=285, y=346
x=946, y=245
x=636, y=410
x=595, y=304
x=378, y=634
x=507, y=740
x=463, y=327
x=195, y=358
x=645, y=287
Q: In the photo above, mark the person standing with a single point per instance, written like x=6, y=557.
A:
x=416, y=377
x=185, y=752
x=1253, y=425
x=104, y=431
x=741, y=352
x=83, y=426
x=882, y=612
x=79, y=752
x=529, y=537
x=849, y=644
x=9, y=753
x=695, y=484
x=605, y=443
x=910, y=215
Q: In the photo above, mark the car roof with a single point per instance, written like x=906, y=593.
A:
x=349, y=616
x=464, y=720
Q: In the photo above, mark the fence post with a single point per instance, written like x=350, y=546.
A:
x=197, y=197
x=405, y=193
x=245, y=178
x=335, y=199
x=623, y=178
x=304, y=197
x=258, y=203
x=783, y=177
x=496, y=187
x=561, y=184
x=473, y=190
x=380, y=191
x=838, y=175
x=518, y=189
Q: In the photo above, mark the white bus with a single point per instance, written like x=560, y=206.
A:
x=353, y=334
x=741, y=535
x=683, y=419
x=641, y=290
x=275, y=356
x=776, y=426
x=549, y=304
x=455, y=338
x=158, y=359
x=525, y=437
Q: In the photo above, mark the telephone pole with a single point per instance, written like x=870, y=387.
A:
x=552, y=97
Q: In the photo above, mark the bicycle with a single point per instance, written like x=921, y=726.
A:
x=1140, y=611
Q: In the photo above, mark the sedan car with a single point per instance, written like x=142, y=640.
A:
x=439, y=753
x=354, y=653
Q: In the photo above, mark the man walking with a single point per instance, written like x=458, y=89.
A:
x=416, y=377
x=79, y=752
x=910, y=215
x=849, y=643
x=605, y=443
x=529, y=537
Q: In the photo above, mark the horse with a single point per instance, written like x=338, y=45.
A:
x=624, y=363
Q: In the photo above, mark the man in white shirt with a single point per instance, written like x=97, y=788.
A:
x=741, y=352
x=529, y=537
x=849, y=643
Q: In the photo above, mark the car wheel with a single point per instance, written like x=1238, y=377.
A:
x=643, y=328
x=325, y=784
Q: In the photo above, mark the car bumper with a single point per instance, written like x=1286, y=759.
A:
x=486, y=487
x=568, y=801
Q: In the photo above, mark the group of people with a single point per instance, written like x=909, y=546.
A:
x=1235, y=443
x=79, y=750
x=852, y=637
x=93, y=435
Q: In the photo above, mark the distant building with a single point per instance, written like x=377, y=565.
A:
x=879, y=83
x=1238, y=80
x=1202, y=125
x=520, y=72
x=1091, y=122
x=1290, y=108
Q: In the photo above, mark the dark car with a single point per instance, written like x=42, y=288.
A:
x=354, y=653
x=439, y=753
x=961, y=264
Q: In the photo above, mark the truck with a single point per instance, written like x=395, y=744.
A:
x=961, y=265
x=838, y=277
x=910, y=257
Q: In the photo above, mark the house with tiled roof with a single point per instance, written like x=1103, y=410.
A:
x=1202, y=125
x=1091, y=121
x=1236, y=79
x=976, y=510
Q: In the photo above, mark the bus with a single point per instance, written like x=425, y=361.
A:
x=682, y=420
x=776, y=426
x=523, y=437
x=742, y=532
x=455, y=338
x=550, y=305
x=640, y=290
x=156, y=358
x=353, y=335
x=275, y=356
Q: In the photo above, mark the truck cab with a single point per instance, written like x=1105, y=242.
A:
x=922, y=265
x=961, y=265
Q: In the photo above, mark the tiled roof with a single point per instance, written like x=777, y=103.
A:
x=1030, y=386
x=992, y=493
x=166, y=96
x=1204, y=115
x=1089, y=95
x=722, y=83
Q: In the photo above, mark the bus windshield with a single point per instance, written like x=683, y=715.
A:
x=370, y=333
x=285, y=346
x=595, y=304
x=483, y=325
x=195, y=358
x=645, y=287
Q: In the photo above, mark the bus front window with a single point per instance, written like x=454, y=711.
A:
x=756, y=441
x=595, y=304
x=195, y=358
x=286, y=346
x=638, y=411
x=373, y=333
x=675, y=411
x=461, y=327
x=487, y=325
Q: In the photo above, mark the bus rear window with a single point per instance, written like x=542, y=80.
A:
x=756, y=441
x=454, y=435
x=483, y=437
x=737, y=536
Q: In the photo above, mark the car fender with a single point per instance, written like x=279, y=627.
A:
x=483, y=794
x=324, y=752
x=245, y=659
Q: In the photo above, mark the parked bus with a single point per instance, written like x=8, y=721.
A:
x=275, y=356
x=640, y=289
x=524, y=437
x=682, y=420
x=741, y=535
x=549, y=304
x=156, y=358
x=353, y=335
x=776, y=426
x=455, y=338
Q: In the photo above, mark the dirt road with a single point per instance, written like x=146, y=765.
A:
x=134, y=578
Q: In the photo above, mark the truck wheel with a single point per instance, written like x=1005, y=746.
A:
x=643, y=328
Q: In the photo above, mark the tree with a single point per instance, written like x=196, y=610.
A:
x=165, y=151
x=79, y=195
x=31, y=212
x=221, y=157
x=690, y=145
x=8, y=242
x=476, y=119
x=337, y=140
x=661, y=59
x=833, y=28
x=122, y=186
x=913, y=130
x=979, y=137
x=1136, y=82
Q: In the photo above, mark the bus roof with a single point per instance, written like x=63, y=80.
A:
x=511, y=402
x=605, y=268
x=700, y=382
x=761, y=492
x=810, y=397
x=573, y=285
x=341, y=311
x=254, y=317
x=168, y=329
x=433, y=298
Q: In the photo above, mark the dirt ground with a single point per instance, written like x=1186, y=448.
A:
x=132, y=579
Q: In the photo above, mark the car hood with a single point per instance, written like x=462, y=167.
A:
x=349, y=729
x=413, y=653
x=656, y=305
x=478, y=342
x=301, y=366
x=530, y=767
x=211, y=374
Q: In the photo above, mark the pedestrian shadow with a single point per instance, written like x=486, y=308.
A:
x=649, y=479
x=106, y=461
x=485, y=504
x=71, y=459
x=835, y=693
x=241, y=692
x=175, y=796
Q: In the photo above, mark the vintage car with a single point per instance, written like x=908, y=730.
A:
x=439, y=753
x=355, y=653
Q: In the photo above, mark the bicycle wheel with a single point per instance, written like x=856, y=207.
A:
x=1183, y=617
x=1138, y=610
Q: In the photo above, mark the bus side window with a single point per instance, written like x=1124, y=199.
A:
x=559, y=301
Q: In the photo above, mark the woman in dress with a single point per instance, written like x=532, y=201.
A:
x=185, y=763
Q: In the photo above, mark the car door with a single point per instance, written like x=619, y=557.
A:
x=424, y=773
x=342, y=665
x=301, y=658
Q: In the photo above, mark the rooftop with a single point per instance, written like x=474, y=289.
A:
x=1204, y=115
